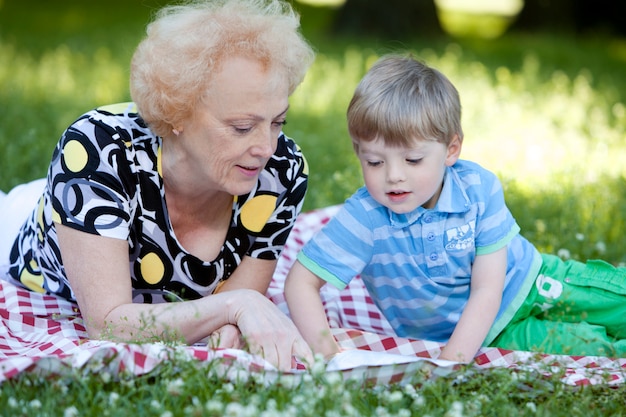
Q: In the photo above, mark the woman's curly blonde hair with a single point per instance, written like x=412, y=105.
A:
x=172, y=68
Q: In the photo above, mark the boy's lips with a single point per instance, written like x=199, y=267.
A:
x=397, y=195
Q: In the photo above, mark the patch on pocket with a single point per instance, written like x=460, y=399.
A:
x=460, y=237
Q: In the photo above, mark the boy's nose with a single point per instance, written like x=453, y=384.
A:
x=395, y=174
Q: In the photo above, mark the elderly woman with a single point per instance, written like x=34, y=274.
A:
x=187, y=194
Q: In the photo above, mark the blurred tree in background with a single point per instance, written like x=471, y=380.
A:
x=402, y=18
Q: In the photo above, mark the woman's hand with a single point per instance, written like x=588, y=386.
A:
x=226, y=337
x=266, y=330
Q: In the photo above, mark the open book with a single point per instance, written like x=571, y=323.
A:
x=354, y=358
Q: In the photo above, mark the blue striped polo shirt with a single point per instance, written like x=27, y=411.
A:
x=417, y=266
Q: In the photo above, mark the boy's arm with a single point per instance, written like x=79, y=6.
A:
x=302, y=292
x=487, y=283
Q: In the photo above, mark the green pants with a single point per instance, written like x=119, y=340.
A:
x=574, y=309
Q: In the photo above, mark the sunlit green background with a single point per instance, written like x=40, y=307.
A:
x=544, y=109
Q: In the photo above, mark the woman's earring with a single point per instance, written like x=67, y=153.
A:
x=176, y=132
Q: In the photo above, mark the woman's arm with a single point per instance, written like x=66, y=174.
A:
x=487, y=283
x=302, y=292
x=97, y=268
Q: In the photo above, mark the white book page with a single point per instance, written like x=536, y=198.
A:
x=353, y=358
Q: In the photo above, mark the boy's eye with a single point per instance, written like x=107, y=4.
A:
x=373, y=163
x=413, y=161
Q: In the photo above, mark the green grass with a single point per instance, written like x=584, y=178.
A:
x=544, y=111
x=180, y=388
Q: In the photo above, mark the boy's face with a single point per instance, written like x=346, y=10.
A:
x=405, y=178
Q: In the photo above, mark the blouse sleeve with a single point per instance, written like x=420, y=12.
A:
x=88, y=174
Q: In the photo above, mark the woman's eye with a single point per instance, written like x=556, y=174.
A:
x=242, y=130
x=280, y=123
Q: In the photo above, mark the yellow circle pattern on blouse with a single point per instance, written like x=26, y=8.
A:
x=152, y=268
x=33, y=282
x=256, y=212
x=75, y=156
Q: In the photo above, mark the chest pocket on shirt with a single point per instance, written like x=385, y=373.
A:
x=460, y=238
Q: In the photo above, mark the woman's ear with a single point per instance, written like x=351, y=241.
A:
x=454, y=150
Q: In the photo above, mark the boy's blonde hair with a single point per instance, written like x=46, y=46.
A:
x=400, y=100
x=171, y=70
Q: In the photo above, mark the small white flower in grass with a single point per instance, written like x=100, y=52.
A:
x=349, y=410
x=270, y=413
x=404, y=413
x=418, y=401
x=382, y=412
x=175, y=387
x=321, y=392
x=290, y=411
x=334, y=378
x=13, y=402
x=394, y=397
x=271, y=404
x=113, y=397
x=409, y=390
x=105, y=377
x=235, y=410
x=456, y=410
x=155, y=404
x=167, y=414
x=214, y=406
x=319, y=365
x=563, y=254
x=580, y=237
x=601, y=247
x=70, y=412
x=258, y=378
x=532, y=407
x=35, y=404
x=228, y=388
x=346, y=397
x=298, y=399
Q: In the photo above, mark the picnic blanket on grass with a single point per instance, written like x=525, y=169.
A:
x=46, y=335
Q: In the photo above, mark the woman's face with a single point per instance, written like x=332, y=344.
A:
x=235, y=130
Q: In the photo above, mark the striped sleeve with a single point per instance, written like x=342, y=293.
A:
x=341, y=250
x=496, y=226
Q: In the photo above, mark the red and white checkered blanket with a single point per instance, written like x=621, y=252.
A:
x=43, y=334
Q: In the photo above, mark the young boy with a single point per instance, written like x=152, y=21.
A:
x=435, y=244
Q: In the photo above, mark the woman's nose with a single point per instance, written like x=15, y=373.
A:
x=264, y=144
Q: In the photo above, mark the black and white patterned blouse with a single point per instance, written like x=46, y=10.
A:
x=105, y=179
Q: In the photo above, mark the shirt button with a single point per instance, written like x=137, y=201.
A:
x=434, y=256
x=428, y=219
x=430, y=236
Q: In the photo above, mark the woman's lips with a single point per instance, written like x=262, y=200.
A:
x=250, y=171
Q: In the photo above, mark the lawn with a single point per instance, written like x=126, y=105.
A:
x=546, y=111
